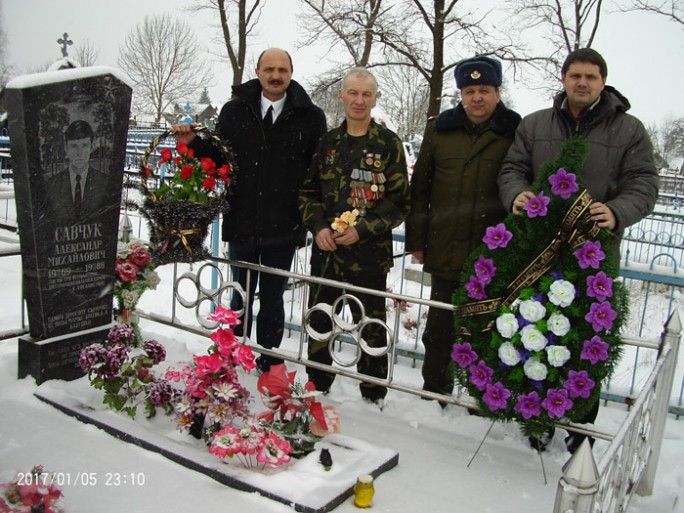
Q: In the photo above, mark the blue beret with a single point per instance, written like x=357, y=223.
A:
x=478, y=71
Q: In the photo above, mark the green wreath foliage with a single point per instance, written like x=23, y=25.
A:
x=538, y=255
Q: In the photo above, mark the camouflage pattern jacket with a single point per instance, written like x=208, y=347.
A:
x=367, y=173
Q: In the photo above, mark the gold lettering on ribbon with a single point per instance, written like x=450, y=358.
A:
x=576, y=228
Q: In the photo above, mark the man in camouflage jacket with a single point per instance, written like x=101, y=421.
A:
x=359, y=167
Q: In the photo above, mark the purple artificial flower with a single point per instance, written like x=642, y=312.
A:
x=464, y=355
x=496, y=396
x=475, y=288
x=557, y=275
x=600, y=286
x=601, y=316
x=529, y=405
x=155, y=350
x=480, y=375
x=485, y=270
x=579, y=384
x=594, y=350
x=121, y=334
x=161, y=393
x=557, y=402
x=537, y=206
x=91, y=355
x=590, y=254
x=563, y=184
x=497, y=236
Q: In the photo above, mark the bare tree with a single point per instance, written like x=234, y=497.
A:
x=408, y=33
x=562, y=25
x=163, y=59
x=671, y=9
x=85, y=53
x=405, y=98
x=237, y=19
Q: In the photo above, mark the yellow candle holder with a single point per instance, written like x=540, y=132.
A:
x=364, y=491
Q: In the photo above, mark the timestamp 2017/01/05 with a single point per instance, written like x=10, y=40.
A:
x=62, y=479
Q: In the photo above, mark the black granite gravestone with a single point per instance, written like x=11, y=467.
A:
x=68, y=131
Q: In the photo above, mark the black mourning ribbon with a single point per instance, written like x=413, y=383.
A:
x=77, y=196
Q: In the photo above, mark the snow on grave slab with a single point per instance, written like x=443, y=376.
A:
x=303, y=484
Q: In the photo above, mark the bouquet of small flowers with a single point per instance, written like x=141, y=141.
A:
x=252, y=443
x=346, y=219
x=127, y=381
x=192, y=179
x=294, y=411
x=31, y=492
x=213, y=394
x=134, y=275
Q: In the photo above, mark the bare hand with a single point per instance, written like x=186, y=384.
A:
x=183, y=133
x=346, y=238
x=324, y=240
x=419, y=255
x=521, y=200
x=603, y=215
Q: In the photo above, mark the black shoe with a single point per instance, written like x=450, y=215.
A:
x=264, y=363
x=540, y=442
x=574, y=440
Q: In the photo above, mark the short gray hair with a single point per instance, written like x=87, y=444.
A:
x=362, y=73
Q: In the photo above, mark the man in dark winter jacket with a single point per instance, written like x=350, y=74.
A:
x=454, y=198
x=619, y=172
x=273, y=128
x=359, y=169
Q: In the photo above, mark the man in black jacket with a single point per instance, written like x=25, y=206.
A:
x=273, y=127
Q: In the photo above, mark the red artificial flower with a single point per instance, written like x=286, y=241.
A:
x=223, y=172
x=126, y=271
x=182, y=148
x=275, y=386
x=209, y=183
x=139, y=255
x=208, y=164
x=191, y=153
x=186, y=171
x=225, y=341
x=165, y=155
x=224, y=316
x=210, y=364
x=148, y=171
x=177, y=161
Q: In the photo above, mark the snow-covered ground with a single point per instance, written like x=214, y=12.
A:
x=434, y=447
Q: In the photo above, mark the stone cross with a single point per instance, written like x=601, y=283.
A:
x=64, y=42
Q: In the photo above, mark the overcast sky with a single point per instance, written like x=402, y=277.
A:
x=644, y=52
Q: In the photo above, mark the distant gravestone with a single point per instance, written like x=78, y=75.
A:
x=68, y=131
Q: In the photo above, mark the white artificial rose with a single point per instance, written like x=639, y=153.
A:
x=562, y=293
x=557, y=355
x=535, y=370
x=532, y=338
x=507, y=325
x=123, y=249
x=508, y=354
x=558, y=324
x=531, y=310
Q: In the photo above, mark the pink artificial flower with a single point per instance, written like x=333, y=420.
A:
x=139, y=255
x=496, y=396
x=126, y=271
x=600, y=286
x=225, y=442
x=497, y=236
x=208, y=364
x=601, y=316
x=563, y=184
x=275, y=451
x=224, y=316
x=225, y=341
x=590, y=254
x=331, y=425
x=537, y=206
x=557, y=402
x=244, y=357
x=484, y=270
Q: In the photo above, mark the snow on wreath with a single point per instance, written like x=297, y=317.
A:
x=539, y=317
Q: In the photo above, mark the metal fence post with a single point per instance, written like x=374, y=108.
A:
x=578, y=485
x=670, y=338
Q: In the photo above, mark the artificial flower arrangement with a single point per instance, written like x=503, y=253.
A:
x=192, y=193
x=127, y=381
x=31, y=492
x=539, y=316
x=344, y=221
x=134, y=275
x=212, y=404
